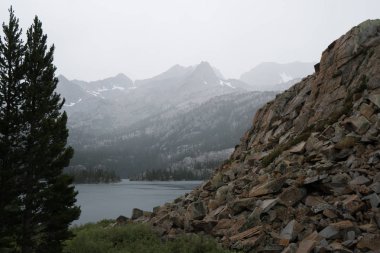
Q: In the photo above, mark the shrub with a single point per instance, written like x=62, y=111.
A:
x=134, y=238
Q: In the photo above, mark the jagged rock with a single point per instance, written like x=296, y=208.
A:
x=367, y=111
x=299, y=148
x=329, y=232
x=226, y=212
x=266, y=188
x=136, y=213
x=369, y=241
x=228, y=227
x=291, y=230
x=240, y=205
x=213, y=204
x=292, y=195
x=375, y=187
x=201, y=225
x=121, y=220
x=359, y=180
x=216, y=182
x=310, y=180
x=316, y=203
x=352, y=203
x=247, y=244
x=309, y=243
x=346, y=142
x=377, y=177
x=340, y=179
x=254, y=217
x=213, y=213
x=329, y=213
x=337, y=247
x=344, y=224
x=369, y=228
x=267, y=204
x=221, y=193
x=360, y=124
x=156, y=209
x=292, y=248
x=373, y=199
x=196, y=210
x=374, y=159
x=375, y=98
x=350, y=236
x=204, y=194
x=305, y=177
x=246, y=234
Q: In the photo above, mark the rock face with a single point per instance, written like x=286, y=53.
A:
x=306, y=176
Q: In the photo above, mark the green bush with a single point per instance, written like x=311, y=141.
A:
x=134, y=238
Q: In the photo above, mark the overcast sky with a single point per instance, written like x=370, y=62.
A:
x=141, y=38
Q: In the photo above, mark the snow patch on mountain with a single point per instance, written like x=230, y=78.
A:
x=115, y=87
x=102, y=89
x=273, y=76
x=73, y=103
x=225, y=83
x=95, y=93
x=285, y=77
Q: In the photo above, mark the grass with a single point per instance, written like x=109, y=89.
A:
x=134, y=238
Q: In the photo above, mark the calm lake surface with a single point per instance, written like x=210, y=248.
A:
x=108, y=201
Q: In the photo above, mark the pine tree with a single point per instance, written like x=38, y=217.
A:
x=11, y=76
x=48, y=195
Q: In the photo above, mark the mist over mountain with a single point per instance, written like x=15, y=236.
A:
x=176, y=71
x=276, y=76
x=71, y=91
x=107, y=88
x=118, y=102
x=170, y=121
x=167, y=141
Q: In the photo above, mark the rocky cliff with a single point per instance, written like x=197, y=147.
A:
x=306, y=176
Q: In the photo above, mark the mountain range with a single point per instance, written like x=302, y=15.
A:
x=164, y=122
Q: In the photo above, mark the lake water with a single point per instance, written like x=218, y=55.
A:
x=108, y=201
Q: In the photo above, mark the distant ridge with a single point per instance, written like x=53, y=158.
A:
x=276, y=76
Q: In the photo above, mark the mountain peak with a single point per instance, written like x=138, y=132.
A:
x=176, y=67
x=204, y=65
x=121, y=75
x=205, y=72
x=175, y=70
x=173, y=73
x=62, y=78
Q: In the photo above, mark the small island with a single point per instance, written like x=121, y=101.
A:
x=94, y=175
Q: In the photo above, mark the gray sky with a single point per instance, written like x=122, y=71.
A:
x=141, y=38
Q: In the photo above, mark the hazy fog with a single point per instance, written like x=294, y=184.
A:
x=97, y=38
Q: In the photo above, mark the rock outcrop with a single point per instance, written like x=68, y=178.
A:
x=306, y=176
